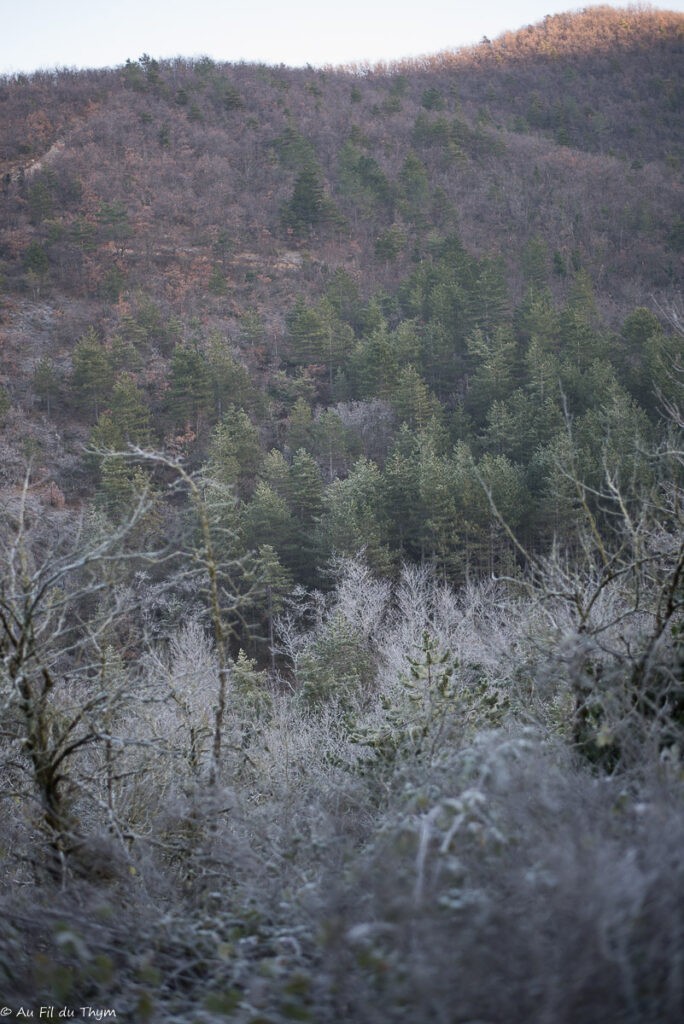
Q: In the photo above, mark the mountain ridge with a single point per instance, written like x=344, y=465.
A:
x=222, y=196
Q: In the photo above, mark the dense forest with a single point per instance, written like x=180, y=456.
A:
x=341, y=535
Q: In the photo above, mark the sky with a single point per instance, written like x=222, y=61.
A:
x=42, y=34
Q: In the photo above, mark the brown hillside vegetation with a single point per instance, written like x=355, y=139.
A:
x=167, y=201
x=590, y=31
x=342, y=536
x=184, y=152
x=603, y=79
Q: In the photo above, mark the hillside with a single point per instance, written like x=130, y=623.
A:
x=603, y=80
x=221, y=193
x=341, y=535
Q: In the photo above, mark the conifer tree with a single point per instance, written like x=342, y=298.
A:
x=308, y=334
x=274, y=583
x=300, y=426
x=330, y=443
x=493, y=356
x=309, y=207
x=305, y=488
x=190, y=391
x=305, y=500
x=400, y=500
x=414, y=190
x=130, y=410
x=267, y=520
x=352, y=519
x=412, y=401
x=230, y=379
x=92, y=375
x=235, y=455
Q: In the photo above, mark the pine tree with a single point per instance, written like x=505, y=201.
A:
x=437, y=487
x=190, y=390
x=130, y=410
x=401, y=502
x=5, y=403
x=308, y=334
x=534, y=263
x=330, y=443
x=267, y=521
x=300, y=426
x=351, y=520
x=412, y=401
x=414, y=190
x=92, y=375
x=235, y=455
x=274, y=583
x=305, y=500
x=305, y=489
x=231, y=382
x=309, y=207
x=493, y=357
x=489, y=298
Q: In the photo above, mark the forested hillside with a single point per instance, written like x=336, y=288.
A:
x=342, y=577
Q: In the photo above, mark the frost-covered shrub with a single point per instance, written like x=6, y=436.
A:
x=511, y=886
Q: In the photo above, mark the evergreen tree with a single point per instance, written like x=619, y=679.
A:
x=615, y=432
x=235, y=455
x=318, y=336
x=534, y=263
x=440, y=501
x=401, y=503
x=307, y=334
x=412, y=401
x=517, y=425
x=504, y=482
x=309, y=207
x=274, y=583
x=37, y=266
x=305, y=500
x=266, y=520
x=488, y=298
x=649, y=361
x=363, y=182
x=494, y=358
x=121, y=485
x=414, y=190
x=92, y=375
x=342, y=292
x=336, y=664
x=276, y=472
x=5, y=403
x=190, y=390
x=537, y=318
x=231, y=382
x=330, y=444
x=130, y=410
x=304, y=489
x=543, y=372
x=377, y=360
x=252, y=329
x=124, y=354
x=300, y=426
x=352, y=519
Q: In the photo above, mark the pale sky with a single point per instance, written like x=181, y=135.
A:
x=90, y=33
